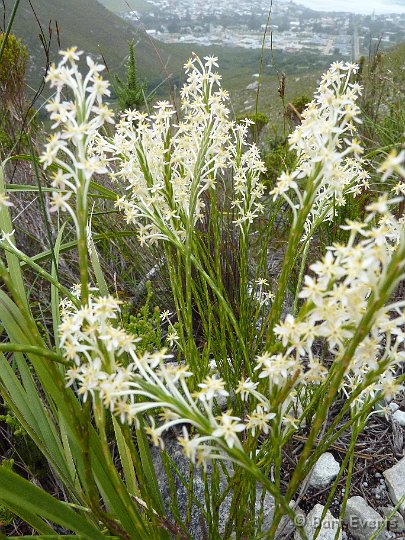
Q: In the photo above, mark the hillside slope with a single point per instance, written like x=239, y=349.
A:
x=120, y=6
x=87, y=24
x=103, y=34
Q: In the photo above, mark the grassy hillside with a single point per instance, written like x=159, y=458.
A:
x=239, y=67
x=87, y=24
x=98, y=31
x=119, y=6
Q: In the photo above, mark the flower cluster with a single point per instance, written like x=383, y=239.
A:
x=77, y=121
x=328, y=153
x=167, y=165
x=168, y=168
x=394, y=165
x=106, y=366
x=337, y=297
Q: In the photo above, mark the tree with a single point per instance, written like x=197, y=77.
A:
x=130, y=93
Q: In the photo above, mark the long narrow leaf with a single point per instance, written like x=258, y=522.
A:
x=7, y=227
x=148, y=468
x=126, y=461
x=54, y=289
x=72, y=245
x=21, y=494
x=37, y=523
x=34, y=418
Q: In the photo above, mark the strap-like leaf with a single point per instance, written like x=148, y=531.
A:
x=6, y=226
x=29, y=499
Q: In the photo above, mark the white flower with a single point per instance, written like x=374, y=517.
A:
x=325, y=145
x=245, y=387
x=190, y=446
x=77, y=127
x=259, y=420
x=212, y=387
x=205, y=145
x=229, y=427
x=4, y=200
x=211, y=61
x=59, y=201
x=381, y=205
x=172, y=337
x=393, y=164
x=71, y=55
x=277, y=368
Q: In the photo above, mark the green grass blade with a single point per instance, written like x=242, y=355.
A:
x=23, y=188
x=126, y=461
x=37, y=523
x=148, y=468
x=95, y=261
x=23, y=495
x=54, y=537
x=70, y=464
x=29, y=261
x=61, y=399
x=120, y=505
x=6, y=226
x=34, y=418
x=46, y=424
x=73, y=244
x=54, y=289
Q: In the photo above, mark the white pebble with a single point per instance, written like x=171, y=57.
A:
x=399, y=416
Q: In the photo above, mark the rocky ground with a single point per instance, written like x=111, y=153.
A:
x=378, y=483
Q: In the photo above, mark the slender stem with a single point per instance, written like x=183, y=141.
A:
x=300, y=277
x=82, y=215
x=259, y=80
x=288, y=263
x=8, y=29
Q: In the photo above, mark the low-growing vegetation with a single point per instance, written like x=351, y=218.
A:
x=197, y=306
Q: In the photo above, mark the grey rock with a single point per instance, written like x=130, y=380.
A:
x=396, y=522
x=222, y=402
x=267, y=508
x=287, y=526
x=324, y=471
x=399, y=416
x=393, y=406
x=395, y=480
x=363, y=520
x=380, y=491
x=197, y=527
x=328, y=528
x=252, y=86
